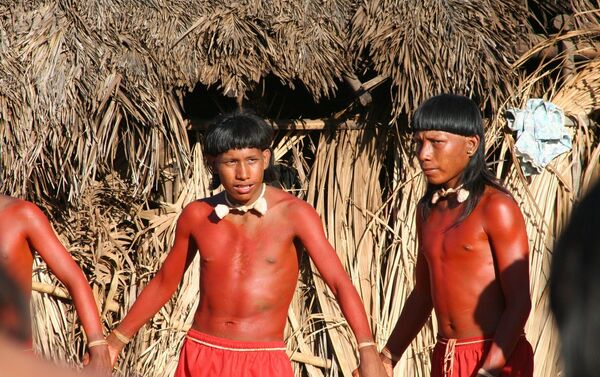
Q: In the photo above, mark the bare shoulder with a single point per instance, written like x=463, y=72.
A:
x=286, y=203
x=20, y=209
x=500, y=210
x=9, y=202
x=495, y=201
x=200, y=208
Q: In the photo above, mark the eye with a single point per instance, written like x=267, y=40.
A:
x=229, y=162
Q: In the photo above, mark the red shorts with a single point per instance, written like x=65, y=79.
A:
x=466, y=357
x=204, y=355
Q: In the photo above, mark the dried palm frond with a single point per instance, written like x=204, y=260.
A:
x=434, y=46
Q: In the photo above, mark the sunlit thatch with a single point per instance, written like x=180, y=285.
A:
x=430, y=47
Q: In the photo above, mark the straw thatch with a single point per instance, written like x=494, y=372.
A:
x=86, y=68
x=429, y=47
x=93, y=127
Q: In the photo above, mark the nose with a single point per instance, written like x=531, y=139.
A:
x=242, y=173
x=424, y=152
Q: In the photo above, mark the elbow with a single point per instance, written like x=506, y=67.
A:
x=165, y=285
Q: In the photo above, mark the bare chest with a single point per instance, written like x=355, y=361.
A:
x=243, y=245
x=444, y=241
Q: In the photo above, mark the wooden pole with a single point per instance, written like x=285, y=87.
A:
x=310, y=359
x=295, y=124
x=64, y=294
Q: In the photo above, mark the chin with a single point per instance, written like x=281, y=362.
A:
x=435, y=182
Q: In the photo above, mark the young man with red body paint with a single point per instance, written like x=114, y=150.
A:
x=25, y=229
x=249, y=238
x=472, y=265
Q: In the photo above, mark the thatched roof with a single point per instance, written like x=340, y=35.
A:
x=429, y=47
x=85, y=72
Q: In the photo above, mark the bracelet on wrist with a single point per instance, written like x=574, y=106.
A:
x=96, y=343
x=484, y=373
x=122, y=337
x=362, y=345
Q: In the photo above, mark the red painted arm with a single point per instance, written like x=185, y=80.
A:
x=417, y=308
x=41, y=238
x=309, y=230
x=160, y=289
x=505, y=227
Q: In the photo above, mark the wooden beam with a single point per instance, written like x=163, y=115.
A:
x=64, y=294
x=362, y=89
x=310, y=359
x=581, y=49
x=293, y=124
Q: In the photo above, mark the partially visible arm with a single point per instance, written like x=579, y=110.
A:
x=160, y=289
x=41, y=238
x=416, y=310
x=505, y=227
x=415, y=313
x=16, y=363
x=309, y=230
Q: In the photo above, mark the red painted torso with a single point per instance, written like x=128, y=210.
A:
x=248, y=273
x=465, y=290
x=15, y=255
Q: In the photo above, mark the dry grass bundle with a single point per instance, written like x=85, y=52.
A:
x=87, y=93
x=429, y=47
x=235, y=45
x=344, y=188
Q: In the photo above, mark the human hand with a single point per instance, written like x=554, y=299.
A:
x=115, y=346
x=387, y=364
x=97, y=361
x=371, y=364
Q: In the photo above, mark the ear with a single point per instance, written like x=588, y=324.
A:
x=267, y=157
x=472, y=143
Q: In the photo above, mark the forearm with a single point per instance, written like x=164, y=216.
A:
x=415, y=313
x=151, y=299
x=354, y=311
x=509, y=330
x=86, y=307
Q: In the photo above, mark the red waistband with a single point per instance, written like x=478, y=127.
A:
x=231, y=344
x=465, y=341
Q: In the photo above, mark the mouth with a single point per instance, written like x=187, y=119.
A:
x=243, y=189
x=429, y=171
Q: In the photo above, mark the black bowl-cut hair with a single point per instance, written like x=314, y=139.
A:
x=458, y=115
x=238, y=130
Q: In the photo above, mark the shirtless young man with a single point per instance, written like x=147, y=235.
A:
x=249, y=265
x=472, y=265
x=24, y=229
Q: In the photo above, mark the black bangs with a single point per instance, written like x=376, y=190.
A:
x=450, y=113
x=237, y=131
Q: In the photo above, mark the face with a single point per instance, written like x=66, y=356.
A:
x=443, y=155
x=241, y=172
